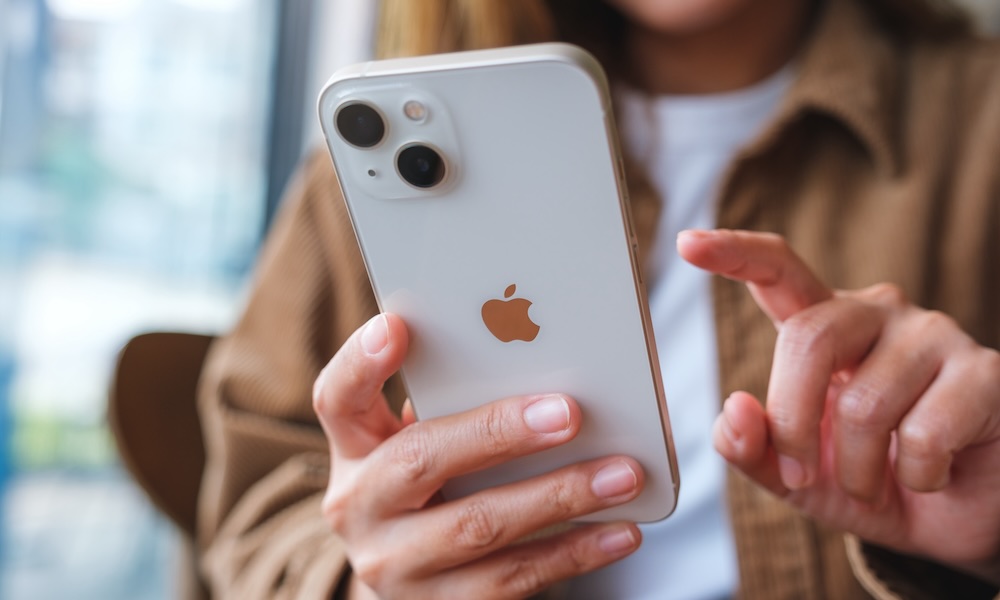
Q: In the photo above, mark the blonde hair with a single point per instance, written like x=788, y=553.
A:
x=411, y=27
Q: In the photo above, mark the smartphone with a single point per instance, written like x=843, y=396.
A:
x=487, y=194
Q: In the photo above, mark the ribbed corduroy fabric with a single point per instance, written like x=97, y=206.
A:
x=883, y=165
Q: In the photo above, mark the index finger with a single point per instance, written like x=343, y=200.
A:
x=780, y=282
x=783, y=286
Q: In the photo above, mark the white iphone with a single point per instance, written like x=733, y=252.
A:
x=487, y=194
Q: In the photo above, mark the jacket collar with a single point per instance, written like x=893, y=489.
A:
x=848, y=71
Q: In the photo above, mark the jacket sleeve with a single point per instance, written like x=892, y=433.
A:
x=887, y=575
x=261, y=531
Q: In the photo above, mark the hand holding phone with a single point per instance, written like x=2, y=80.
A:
x=404, y=541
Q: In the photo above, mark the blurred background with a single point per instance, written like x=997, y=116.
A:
x=144, y=145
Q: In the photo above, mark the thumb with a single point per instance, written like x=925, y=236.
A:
x=740, y=436
x=347, y=396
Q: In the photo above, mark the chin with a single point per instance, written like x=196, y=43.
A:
x=681, y=17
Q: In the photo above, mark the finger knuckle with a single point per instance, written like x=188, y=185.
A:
x=577, y=556
x=863, y=407
x=932, y=323
x=562, y=499
x=979, y=367
x=409, y=453
x=371, y=567
x=975, y=364
x=889, y=294
x=807, y=335
x=922, y=441
x=336, y=507
x=317, y=392
x=477, y=527
x=492, y=432
x=522, y=576
x=574, y=557
x=322, y=403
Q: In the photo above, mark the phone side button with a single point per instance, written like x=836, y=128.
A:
x=635, y=261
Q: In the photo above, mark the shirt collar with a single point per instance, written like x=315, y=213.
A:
x=849, y=71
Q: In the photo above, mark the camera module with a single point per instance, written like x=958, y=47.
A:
x=421, y=166
x=360, y=125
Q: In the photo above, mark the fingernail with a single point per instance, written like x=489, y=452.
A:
x=616, y=479
x=375, y=337
x=548, y=415
x=696, y=234
x=727, y=425
x=793, y=474
x=730, y=434
x=616, y=542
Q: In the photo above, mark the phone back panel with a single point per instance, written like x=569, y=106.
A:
x=533, y=198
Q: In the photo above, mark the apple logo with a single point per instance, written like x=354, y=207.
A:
x=508, y=320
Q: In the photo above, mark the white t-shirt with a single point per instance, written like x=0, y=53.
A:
x=686, y=143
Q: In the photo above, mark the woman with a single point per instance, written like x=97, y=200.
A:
x=866, y=135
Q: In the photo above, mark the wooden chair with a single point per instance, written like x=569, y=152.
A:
x=153, y=414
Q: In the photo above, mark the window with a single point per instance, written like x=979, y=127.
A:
x=134, y=151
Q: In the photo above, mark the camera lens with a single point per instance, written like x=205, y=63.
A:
x=420, y=166
x=360, y=125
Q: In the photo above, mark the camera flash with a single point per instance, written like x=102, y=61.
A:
x=415, y=110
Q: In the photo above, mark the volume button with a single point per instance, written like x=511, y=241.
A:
x=635, y=261
x=623, y=194
x=621, y=182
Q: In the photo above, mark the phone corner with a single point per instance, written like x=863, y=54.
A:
x=582, y=60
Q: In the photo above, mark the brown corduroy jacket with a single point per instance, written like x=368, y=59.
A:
x=883, y=164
